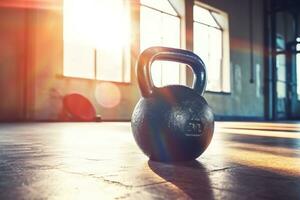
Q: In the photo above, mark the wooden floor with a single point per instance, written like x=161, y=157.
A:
x=102, y=161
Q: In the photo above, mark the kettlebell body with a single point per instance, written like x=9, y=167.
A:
x=171, y=123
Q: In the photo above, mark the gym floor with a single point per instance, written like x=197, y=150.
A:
x=102, y=161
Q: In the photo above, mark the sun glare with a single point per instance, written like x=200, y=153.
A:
x=97, y=23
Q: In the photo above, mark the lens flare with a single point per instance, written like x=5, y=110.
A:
x=32, y=4
x=107, y=95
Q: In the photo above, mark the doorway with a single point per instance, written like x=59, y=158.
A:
x=293, y=75
x=282, y=60
x=287, y=75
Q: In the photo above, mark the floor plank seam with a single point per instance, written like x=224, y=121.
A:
x=102, y=178
x=222, y=169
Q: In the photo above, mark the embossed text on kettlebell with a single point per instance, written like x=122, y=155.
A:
x=193, y=127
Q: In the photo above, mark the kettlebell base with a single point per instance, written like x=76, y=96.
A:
x=171, y=160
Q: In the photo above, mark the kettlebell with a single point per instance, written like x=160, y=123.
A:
x=174, y=122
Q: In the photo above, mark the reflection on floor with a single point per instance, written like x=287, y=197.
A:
x=101, y=161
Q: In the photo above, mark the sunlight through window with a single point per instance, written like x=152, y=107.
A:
x=96, y=40
x=212, y=46
x=160, y=26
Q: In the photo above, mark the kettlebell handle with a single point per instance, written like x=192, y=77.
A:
x=151, y=54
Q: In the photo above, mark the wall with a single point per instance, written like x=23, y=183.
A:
x=12, y=63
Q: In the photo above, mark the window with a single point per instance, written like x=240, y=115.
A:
x=211, y=43
x=96, y=40
x=281, y=76
x=160, y=26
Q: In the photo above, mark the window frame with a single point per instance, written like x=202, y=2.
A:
x=182, y=71
x=225, y=85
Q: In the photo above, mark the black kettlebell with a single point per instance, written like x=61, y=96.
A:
x=172, y=123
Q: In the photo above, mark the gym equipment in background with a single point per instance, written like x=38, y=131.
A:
x=76, y=107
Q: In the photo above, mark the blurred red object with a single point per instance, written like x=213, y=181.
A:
x=77, y=108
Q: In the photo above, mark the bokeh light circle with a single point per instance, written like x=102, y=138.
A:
x=107, y=95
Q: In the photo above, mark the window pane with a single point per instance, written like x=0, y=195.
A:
x=156, y=72
x=280, y=64
x=171, y=73
x=107, y=63
x=78, y=61
x=215, y=60
x=170, y=31
x=203, y=15
x=171, y=38
x=214, y=75
x=215, y=39
x=208, y=44
x=281, y=89
x=150, y=35
x=201, y=41
x=150, y=28
x=86, y=24
x=162, y=5
x=126, y=65
x=280, y=43
x=159, y=29
x=79, y=24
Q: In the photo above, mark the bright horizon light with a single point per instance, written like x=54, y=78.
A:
x=97, y=39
